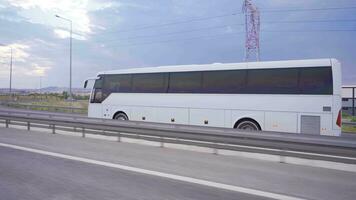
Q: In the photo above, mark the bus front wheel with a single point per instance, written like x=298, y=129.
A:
x=247, y=124
x=121, y=116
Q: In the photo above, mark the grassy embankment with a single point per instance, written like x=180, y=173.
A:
x=48, y=102
x=347, y=128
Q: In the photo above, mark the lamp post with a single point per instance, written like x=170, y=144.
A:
x=70, y=57
x=40, y=88
x=10, y=88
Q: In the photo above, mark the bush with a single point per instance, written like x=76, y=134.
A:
x=353, y=119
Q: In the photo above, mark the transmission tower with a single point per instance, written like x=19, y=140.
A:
x=252, y=26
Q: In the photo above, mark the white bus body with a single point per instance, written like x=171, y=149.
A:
x=296, y=110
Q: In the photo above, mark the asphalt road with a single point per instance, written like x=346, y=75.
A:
x=44, y=177
x=26, y=175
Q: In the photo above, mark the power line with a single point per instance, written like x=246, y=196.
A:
x=224, y=26
x=218, y=35
x=310, y=21
x=175, y=23
x=300, y=31
x=171, y=33
x=227, y=15
x=309, y=9
x=174, y=40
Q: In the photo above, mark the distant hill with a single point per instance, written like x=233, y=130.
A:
x=46, y=90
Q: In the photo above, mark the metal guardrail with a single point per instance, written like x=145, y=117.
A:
x=295, y=145
x=349, y=123
x=46, y=108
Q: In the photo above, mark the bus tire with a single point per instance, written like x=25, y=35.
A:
x=247, y=124
x=120, y=116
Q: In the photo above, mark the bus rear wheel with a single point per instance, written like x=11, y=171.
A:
x=248, y=125
x=121, y=116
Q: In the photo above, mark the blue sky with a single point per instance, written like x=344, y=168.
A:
x=130, y=33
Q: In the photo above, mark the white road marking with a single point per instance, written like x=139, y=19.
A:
x=159, y=174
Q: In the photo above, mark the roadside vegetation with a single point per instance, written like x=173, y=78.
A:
x=348, y=117
x=348, y=128
x=48, y=102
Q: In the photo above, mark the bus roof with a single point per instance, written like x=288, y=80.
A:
x=225, y=66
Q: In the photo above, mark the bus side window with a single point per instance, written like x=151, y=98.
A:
x=316, y=80
x=97, y=95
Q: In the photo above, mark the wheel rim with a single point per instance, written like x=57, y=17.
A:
x=121, y=117
x=249, y=126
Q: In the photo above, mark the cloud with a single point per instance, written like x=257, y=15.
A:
x=43, y=11
x=37, y=70
x=23, y=63
x=284, y=3
x=19, y=52
x=61, y=33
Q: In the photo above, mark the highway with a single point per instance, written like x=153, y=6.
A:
x=46, y=166
x=31, y=176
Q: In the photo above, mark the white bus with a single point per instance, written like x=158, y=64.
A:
x=298, y=96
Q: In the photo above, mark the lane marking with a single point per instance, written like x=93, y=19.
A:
x=159, y=174
x=335, y=165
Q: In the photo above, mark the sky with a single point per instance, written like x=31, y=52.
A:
x=119, y=34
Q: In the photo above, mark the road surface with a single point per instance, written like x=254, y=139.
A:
x=40, y=176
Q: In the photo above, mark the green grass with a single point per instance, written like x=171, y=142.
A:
x=349, y=129
x=348, y=117
x=62, y=103
x=51, y=100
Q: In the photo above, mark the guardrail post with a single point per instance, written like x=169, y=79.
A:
x=7, y=123
x=28, y=126
x=83, y=132
x=53, y=129
x=353, y=101
x=161, y=142
x=215, y=149
x=119, y=137
x=282, y=158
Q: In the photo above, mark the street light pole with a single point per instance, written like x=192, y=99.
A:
x=70, y=56
x=70, y=63
x=10, y=87
x=11, y=73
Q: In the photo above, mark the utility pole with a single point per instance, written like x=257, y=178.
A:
x=70, y=57
x=353, y=101
x=11, y=58
x=10, y=89
x=70, y=63
x=40, y=89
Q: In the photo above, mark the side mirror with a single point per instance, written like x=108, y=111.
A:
x=86, y=84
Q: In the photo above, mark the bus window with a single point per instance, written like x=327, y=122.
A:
x=97, y=95
x=185, y=82
x=272, y=81
x=228, y=82
x=316, y=80
x=116, y=83
x=150, y=83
